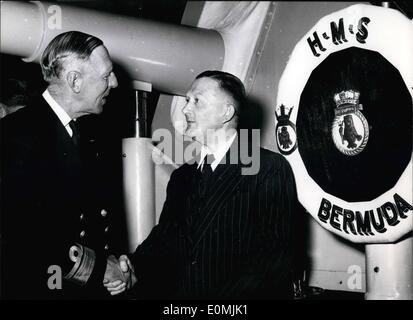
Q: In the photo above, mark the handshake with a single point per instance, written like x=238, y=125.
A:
x=119, y=275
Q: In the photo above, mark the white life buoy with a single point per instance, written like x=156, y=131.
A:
x=387, y=216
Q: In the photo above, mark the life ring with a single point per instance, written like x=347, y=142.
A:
x=344, y=122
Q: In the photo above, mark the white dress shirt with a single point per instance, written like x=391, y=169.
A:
x=60, y=112
x=218, y=154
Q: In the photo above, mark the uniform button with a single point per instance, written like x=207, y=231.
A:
x=82, y=233
x=193, y=262
x=106, y=229
x=103, y=212
x=81, y=217
x=106, y=247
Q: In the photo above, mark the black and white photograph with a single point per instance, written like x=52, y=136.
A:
x=205, y=156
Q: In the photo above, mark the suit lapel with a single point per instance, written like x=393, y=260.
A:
x=57, y=139
x=62, y=141
x=190, y=179
x=226, y=179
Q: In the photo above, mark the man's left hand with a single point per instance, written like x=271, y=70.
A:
x=116, y=283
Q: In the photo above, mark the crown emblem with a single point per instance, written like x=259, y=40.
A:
x=350, y=129
x=285, y=131
x=283, y=116
x=346, y=97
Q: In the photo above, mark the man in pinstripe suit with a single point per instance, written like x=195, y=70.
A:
x=222, y=234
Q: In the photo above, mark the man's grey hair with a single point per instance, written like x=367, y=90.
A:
x=72, y=44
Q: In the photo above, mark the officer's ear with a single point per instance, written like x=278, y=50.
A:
x=74, y=80
x=229, y=112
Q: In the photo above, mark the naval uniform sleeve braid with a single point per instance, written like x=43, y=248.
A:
x=84, y=262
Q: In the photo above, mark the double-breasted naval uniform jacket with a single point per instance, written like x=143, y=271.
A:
x=234, y=241
x=52, y=198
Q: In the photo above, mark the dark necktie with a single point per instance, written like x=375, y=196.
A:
x=75, y=130
x=206, y=169
x=206, y=174
x=200, y=189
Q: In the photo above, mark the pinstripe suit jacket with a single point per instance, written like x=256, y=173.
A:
x=238, y=243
